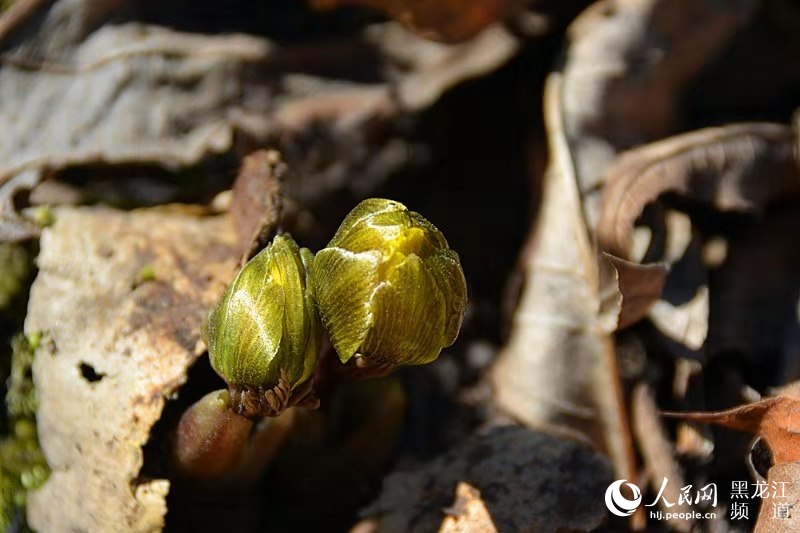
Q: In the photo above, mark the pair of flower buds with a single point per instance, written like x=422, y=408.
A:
x=387, y=289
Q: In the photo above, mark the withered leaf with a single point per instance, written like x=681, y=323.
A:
x=257, y=200
x=776, y=420
x=628, y=289
x=558, y=370
x=770, y=520
x=735, y=168
x=74, y=80
x=467, y=513
x=422, y=69
x=613, y=100
x=80, y=92
x=620, y=88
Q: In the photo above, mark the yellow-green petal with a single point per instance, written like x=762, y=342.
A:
x=446, y=269
x=361, y=213
x=265, y=326
x=343, y=285
x=312, y=315
x=291, y=274
x=408, y=317
x=246, y=326
x=369, y=237
x=407, y=305
x=433, y=236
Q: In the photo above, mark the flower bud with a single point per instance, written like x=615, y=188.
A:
x=390, y=291
x=264, y=334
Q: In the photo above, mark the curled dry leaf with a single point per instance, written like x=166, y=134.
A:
x=741, y=167
x=558, y=370
x=513, y=468
x=113, y=352
x=620, y=88
x=440, y=20
x=776, y=420
x=339, y=134
x=333, y=133
x=628, y=289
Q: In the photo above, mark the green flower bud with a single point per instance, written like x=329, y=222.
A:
x=390, y=291
x=264, y=334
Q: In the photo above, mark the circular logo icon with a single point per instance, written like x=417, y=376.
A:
x=619, y=504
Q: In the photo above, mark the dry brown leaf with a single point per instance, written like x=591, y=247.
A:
x=75, y=90
x=620, y=90
x=789, y=389
x=422, y=70
x=114, y=349
x=257, y=201
x=558, y=370
x=741, y=167
x=620, y=87
x=776, y=420
x=468, y=513
x=440, y=20
x=74, y=84
x=513, y=468
x=781, y=514
x=628, y=289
